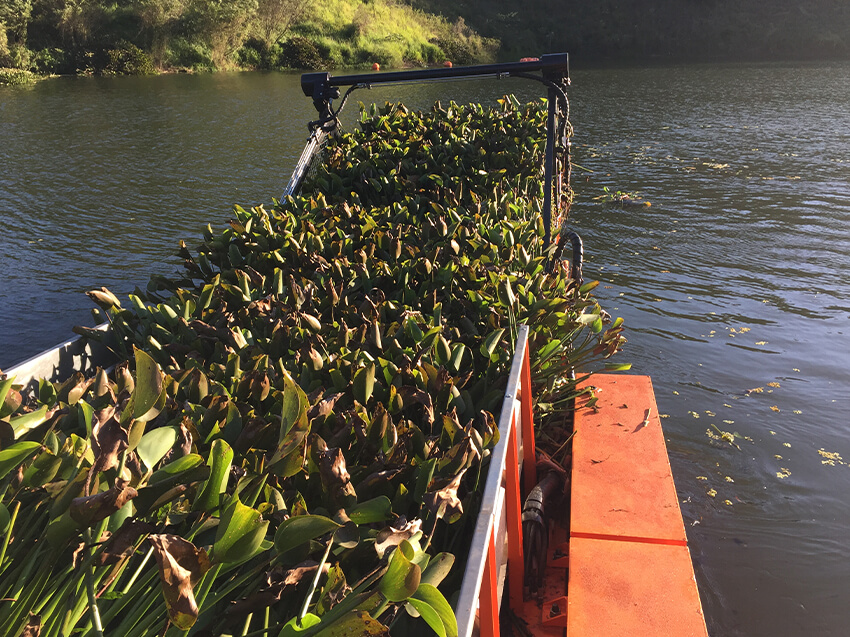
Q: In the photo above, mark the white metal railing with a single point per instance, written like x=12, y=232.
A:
x=58, y=363
x=496, y=549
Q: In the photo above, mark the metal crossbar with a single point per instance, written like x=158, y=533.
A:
x=552, y=70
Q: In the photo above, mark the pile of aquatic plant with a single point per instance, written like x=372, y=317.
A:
x=296, y=439
x=453, y=155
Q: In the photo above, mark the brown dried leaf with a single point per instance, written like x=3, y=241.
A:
x=109, y=439
x=335, y=477
x=88, y=510
x=444, y=502
x=33, y=627
x=376, y=479
x=394, y=535
x=280, y=582
x=410, y=395
x=181, y=566
x=324, y=407
x=121, y=544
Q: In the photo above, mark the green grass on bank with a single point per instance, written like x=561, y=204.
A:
x=351, y=33
x=98, y=37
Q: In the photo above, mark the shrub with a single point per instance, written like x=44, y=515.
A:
x=50, y=61
x=250, y=57
x=299, y=53
x=19, y=56
x=462, y=45
x=5, y=59
x=191, y=55
x=128, y=59
x=15, y=77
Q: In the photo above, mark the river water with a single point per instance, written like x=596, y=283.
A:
x=732, y=284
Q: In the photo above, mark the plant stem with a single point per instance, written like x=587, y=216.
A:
x=138, y=571
x=315, y=582
x=265, y=630
x=8, y=537
x=247, y=624
x=93, y=609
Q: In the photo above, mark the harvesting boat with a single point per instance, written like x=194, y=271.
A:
x=309, y=441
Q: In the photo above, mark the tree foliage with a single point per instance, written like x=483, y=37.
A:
x=276, y=17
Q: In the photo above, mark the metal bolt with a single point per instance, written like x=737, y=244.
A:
x=554, y=611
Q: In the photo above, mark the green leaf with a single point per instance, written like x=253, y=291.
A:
x=429, y=594
x=491, y=342
x=15, y=454
x=505, y=293
x=5, y=388
x=46, y=392
x=587, y=319
x=155, y=444
x=430, y=337
x=171, y=481
x=617, y=367
x=364, y=383
x=292, y=627
x=240, y=533
x=5, y=518
x=183, y=463
x=300, y=529
x=42, y=470
x=23, y=424
x=374, y=510
x=356, y=623
x=457, y=357
x=587, y=287
x=429, y=615
x=221, y=455
x=403, y=576
x=85, y=414
x=438, y=568
x=294, y=407
x=148, y=396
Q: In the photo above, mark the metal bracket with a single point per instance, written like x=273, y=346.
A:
x=555, y=613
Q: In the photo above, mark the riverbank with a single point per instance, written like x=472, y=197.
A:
x=202, y=36
x=100, y=38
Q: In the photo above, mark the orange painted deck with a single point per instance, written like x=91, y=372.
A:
x=630, y=571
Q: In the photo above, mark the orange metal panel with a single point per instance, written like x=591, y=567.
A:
x=529, y=459
x=621, y=480
x=488, y=615
x=513, y=515
x=619, y=589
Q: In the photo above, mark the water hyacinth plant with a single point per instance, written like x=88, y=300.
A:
x=295, y=441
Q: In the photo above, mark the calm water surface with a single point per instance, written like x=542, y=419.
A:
x=732, y=281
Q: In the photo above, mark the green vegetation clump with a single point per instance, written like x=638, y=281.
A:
x=128, y=59
x=299, y=435
x=145, y=36
x=15, y=77
x=351, y=33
